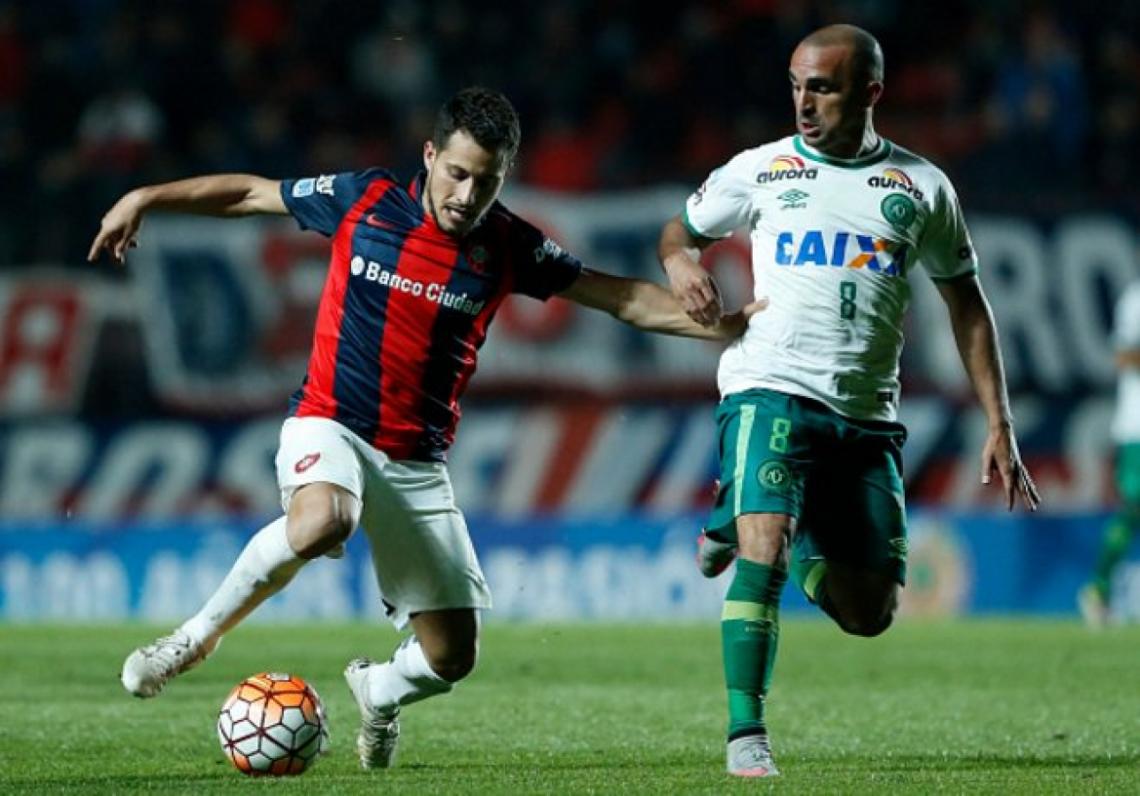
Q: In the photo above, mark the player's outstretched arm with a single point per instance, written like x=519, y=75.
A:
x=976, y=335
x=653, y=308
x=212, y=195
x=679, y=252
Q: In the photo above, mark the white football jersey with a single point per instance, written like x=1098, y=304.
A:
x=833, y=244
x=1126, y=337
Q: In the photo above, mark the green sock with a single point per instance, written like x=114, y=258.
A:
x=749, y=629
x=1117, y=539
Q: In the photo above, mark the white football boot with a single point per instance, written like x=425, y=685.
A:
x=750, y=756
x=379, y=730
x=149, y=668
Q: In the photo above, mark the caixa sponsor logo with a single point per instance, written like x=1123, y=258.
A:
x=842, y=250
x=897, y=180
x=786, y=167
x=435, y=292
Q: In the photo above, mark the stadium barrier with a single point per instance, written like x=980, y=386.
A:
x=552, y=568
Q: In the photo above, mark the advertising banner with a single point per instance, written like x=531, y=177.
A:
x=612, y=568
x=512, y=459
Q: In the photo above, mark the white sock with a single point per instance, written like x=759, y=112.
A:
x=405, y=679
x=264, y=567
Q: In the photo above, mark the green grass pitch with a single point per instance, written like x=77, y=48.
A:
x=970, y=707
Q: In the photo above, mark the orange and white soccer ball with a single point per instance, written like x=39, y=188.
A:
x=272, y=724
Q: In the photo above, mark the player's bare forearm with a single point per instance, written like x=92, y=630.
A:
x=214, y=195
x=651, y=307
x=977, y=339
x=677, y=245
x=976, y=334
x=679, y=251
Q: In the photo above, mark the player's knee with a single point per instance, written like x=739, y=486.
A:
x=320, y=519
x=866, y=624
x=453, y=663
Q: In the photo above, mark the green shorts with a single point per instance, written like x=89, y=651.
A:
x=1128, y=473
x=841, y=478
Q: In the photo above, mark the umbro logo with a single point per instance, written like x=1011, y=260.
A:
x=793, y=198
x=306, y=462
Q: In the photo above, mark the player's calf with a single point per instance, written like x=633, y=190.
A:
x=862, y=603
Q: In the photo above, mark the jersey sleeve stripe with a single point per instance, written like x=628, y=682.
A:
x=696, y=233
x=956, y=277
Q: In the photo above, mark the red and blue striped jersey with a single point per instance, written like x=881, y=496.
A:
x=405, y=306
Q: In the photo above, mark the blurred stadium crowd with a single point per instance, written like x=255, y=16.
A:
x=97, y=96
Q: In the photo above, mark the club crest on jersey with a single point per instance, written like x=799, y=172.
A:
x=899, y=210
x=786, y=167
x=842, y=250
x=477, y=258
x=898, y=180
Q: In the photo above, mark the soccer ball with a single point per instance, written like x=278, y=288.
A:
x=272, y=724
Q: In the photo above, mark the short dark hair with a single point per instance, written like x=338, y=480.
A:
x=866, y=54
x=485, y=115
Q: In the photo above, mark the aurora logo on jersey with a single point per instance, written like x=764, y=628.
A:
x=786, y=167
x=898, y=180
x=843, y=250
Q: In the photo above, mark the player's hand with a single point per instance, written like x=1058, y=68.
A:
x=695, y=288
x=1000, y=453
x=119, y=229
x=735, y=324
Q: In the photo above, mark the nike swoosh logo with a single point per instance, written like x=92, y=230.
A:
x=374, y=220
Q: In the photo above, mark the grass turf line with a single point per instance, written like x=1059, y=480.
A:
x=979, y=707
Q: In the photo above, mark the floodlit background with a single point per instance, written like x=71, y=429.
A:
x=139, y=409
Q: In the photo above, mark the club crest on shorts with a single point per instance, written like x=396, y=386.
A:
x=775, y=476
x=305, y=462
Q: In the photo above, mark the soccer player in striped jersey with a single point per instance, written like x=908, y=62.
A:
x=415, y=276
x=811, y=481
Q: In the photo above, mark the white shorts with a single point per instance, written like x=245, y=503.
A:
x=421, y=549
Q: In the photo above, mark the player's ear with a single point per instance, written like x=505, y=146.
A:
x=874, y=92
x=429, y=154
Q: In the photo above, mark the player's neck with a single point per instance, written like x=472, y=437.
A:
x=869, y=143
x=857, y=146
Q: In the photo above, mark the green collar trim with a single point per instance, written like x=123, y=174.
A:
x=881, y=153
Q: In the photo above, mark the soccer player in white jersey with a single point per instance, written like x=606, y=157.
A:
x=1094, y=598
x=840, y=219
